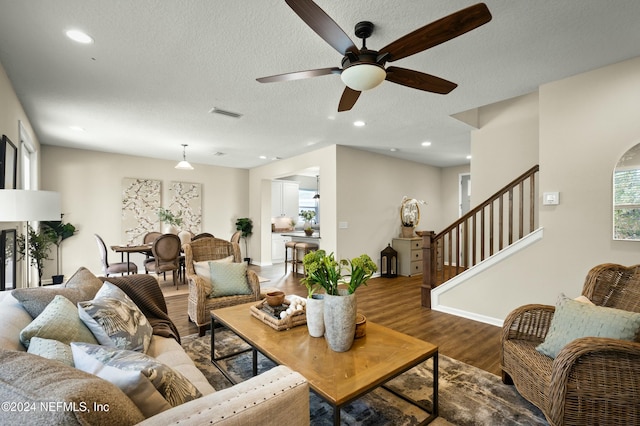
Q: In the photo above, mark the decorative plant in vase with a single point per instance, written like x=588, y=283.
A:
x=339, y=303
x=308, y=215
x=59, y=231
x=36, y=245
x=245, y=225
x=170, y=220
x=409, y=215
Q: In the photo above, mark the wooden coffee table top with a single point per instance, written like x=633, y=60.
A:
x=338, y=377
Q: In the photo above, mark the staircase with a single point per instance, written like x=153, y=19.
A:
x=503, y=219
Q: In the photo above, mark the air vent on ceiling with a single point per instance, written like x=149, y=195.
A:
x=218, y=154
x=215, y=110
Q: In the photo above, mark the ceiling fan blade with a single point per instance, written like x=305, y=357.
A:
x=419, y=80
x=299, y=75
x=348, y=99
x=438, y=32
x=323, y=25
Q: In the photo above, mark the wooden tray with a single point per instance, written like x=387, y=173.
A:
x=299, y=318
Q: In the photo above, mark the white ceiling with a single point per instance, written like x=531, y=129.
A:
x=157, y=67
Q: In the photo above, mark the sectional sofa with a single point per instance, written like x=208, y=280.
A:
x=39, y=385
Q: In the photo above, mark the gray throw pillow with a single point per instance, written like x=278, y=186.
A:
x=115, y=320
x=83, y=285
x=153, y=386
x=34, y=380
x=59, y=321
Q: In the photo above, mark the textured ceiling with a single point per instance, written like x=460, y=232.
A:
x=156, y=69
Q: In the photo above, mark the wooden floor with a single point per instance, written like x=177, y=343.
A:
x=395, y=303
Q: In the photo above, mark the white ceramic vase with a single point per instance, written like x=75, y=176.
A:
x=170, y=229
x=315, y=315
x=340, y=320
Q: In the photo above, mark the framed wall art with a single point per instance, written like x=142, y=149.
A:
x=8, y=164
x=186, y=199
x=140, y=203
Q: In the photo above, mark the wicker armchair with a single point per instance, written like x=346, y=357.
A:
x=593, y=380
x=199, y=304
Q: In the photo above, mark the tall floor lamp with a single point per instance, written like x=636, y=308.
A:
x=19, y=205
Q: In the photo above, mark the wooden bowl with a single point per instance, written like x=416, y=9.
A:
x=361, y=325
x=275, y=298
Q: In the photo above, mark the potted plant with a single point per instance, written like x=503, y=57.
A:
x=307, y=215
x=59, y=231
x=170, y=220
x=339, y=310
x=245, y=225
x=36, y=245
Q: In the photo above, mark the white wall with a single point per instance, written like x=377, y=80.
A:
x=12, y=113
x=586, y=123
x=370, y=189
x=91, y=187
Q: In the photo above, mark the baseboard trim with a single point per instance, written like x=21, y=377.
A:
x=500, y=256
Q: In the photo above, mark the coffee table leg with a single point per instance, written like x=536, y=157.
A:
x=255, y=362
x=336, y=416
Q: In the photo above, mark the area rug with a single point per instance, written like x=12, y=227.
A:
x=467, y=395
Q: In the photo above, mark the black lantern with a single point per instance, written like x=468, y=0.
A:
x=389, y=262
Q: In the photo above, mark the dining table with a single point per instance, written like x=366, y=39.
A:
x=128, y=249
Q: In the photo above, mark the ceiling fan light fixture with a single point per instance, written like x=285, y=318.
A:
x=363, y=77
x=184, y=164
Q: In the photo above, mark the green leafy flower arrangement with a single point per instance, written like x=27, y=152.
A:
x=326, y=272
x=308, y=214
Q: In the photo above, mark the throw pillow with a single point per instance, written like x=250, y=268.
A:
x=51, y=349
x=59, y=321
x=203, y=271
x=229, y=279
x=82, y=285
x=573, y=320
x=29, y=380
x=151, y=385
x=115, y=320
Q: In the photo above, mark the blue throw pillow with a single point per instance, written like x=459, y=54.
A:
x=229, y=279
x=573, y=319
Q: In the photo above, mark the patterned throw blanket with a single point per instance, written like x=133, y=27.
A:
x=146, y=293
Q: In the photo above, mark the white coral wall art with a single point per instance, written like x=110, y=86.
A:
x=140, y=202
x=185, y=199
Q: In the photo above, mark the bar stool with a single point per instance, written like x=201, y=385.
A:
x=304, y=248
x=289, y=245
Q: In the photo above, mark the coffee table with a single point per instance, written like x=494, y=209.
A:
x=337, y=377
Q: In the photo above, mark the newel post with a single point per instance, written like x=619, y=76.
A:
x=428, y=267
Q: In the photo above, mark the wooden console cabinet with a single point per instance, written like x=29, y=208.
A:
x=409, y=255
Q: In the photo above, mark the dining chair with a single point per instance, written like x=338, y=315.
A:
x=150, y=237
x=113, y=268
x=202, y=235
x=166, y=256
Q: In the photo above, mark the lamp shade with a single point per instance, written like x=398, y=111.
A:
x=363, y=76
x=19, y=205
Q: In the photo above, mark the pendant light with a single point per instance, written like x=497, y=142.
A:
x=317, y=196
x=184, y=164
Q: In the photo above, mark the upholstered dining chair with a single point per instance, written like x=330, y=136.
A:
x=113, y=268
x=201, y=299
x=587, y=380
x=150, y=237
x=166, y=256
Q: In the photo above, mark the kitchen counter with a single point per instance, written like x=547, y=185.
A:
x=301, y=235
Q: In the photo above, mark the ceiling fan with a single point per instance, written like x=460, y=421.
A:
x=363, y=69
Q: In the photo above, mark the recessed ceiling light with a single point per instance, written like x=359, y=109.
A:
x=79, y=36
x=331, y=117
x=426, y=143
x=263, y=157
x=359, y=123
x=393, y=149
x=76, y=128
x=468, y=157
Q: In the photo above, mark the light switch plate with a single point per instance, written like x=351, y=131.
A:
x=343, y=225
x=551, y=198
